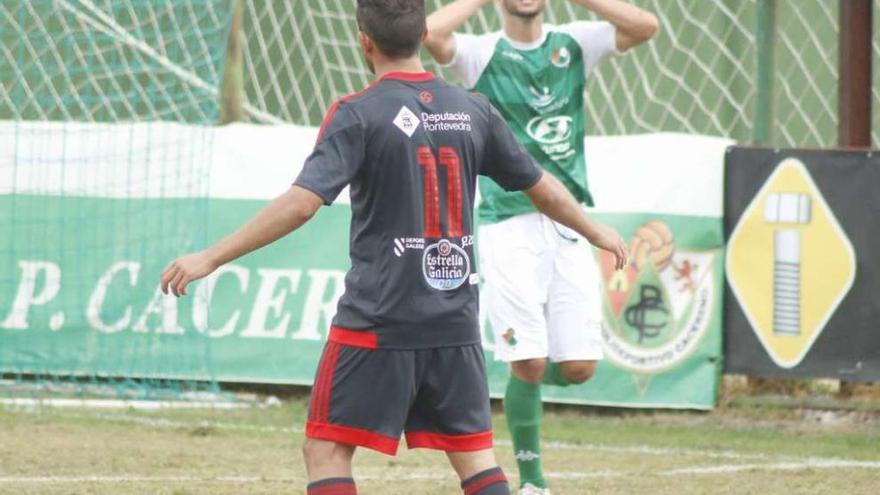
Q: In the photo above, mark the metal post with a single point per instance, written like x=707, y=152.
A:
x=854, y=109
x=762, y=131
x=854, y=105
x=232, y=91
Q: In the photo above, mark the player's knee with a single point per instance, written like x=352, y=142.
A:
x=578, y=372
x=321, y=452
x=529, y=370
x=311, y=451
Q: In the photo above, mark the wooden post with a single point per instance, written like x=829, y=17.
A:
x=854, y=110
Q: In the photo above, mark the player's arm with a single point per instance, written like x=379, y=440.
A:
x=442, y=24
x=280, y=217
x=633, y=25
x=336, y=159
x=554, y=200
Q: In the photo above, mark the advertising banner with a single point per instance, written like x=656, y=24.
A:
x=82, y=258
x=802, y=268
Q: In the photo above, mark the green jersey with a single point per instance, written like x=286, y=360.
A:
x=539, y=89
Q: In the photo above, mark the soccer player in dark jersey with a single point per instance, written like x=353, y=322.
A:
x=403, y=354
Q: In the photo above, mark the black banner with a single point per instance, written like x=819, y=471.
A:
x=802, y=296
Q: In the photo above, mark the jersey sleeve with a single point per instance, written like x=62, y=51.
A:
x=337, y=156
x=506, y=161
x=597, y=39
x=472, y=56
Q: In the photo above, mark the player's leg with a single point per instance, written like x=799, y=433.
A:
x=572, y=372
x=523, y=410
x=451, y=413
x=329, y=464
x=360, y=397
x=479, y=472
x=517, y=265
x=574, y=316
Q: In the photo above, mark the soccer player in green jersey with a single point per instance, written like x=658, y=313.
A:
x=542, y=283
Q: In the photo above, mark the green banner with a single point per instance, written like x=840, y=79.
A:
x=79, y=292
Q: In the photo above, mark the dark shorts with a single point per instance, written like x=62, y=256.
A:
x=368, y=397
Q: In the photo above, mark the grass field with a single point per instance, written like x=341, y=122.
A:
x=744, y=449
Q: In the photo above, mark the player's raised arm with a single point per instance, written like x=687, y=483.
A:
x=442, y=24
x=632, y=24
x=280, y=217
x=554, y=200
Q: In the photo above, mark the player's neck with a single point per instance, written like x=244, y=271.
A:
x=524, y=30
x=408, y=65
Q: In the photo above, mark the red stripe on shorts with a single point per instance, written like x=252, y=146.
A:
x=327, y=388
x=320, y=382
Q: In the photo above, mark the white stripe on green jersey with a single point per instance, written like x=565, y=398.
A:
x=539, y=89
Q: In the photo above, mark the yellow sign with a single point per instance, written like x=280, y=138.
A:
x=789, y=263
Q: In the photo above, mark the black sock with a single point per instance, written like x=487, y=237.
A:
x=332, y=486
x=488, y=482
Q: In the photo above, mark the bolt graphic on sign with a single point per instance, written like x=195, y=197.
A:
x=787, y=211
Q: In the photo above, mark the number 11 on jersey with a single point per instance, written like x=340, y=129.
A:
x=448, y=158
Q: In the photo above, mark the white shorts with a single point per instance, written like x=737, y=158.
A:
x=542, y=290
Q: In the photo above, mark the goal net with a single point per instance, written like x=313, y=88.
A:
x=104, y=156
x=697, y=76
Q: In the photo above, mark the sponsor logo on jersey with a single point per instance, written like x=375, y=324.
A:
x=542, y=97
x=402, y=244
x=553, y=134
x=513, y=55
x=447, y=121
x=659, y=308
x=561, y=57
x=544, y=102
x=426, y=97
x=445, y=265
x=406, y=121
x=550, y=130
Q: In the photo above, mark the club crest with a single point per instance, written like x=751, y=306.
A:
x=658, y=308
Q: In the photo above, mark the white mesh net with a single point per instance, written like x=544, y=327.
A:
x=105, y=152
x=697, y=76
x=98, y=60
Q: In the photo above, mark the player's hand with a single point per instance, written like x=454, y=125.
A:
x=184, y=270
x=608, y=239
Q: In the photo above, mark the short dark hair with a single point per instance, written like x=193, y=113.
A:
x=396, y=26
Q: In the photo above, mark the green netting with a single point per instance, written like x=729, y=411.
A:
x=698, y=76
x=105, y=155
x=112, y=61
